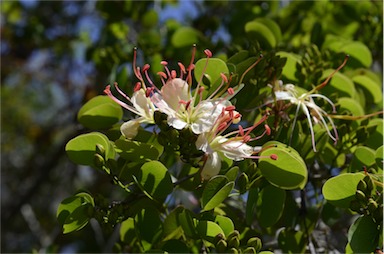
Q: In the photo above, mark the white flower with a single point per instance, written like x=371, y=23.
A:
x=232, y=145
x=311, y=110
x=141, y=106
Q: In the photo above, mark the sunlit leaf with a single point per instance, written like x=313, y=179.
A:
x=185, y=36
x=208, y=230
x=340, y=190
x=289, y=68
x=216, y=191
x=363, y=235
x=260, y=32
x=99, y=113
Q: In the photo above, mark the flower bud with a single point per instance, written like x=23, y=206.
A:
x=362, y=185
x=254, y=242
x=250, y=250
x=221, y=246
x=130, y=129
x=100, y=150
x=360, y=196
x=242, y=182
x=234, y=242
x=98, y=160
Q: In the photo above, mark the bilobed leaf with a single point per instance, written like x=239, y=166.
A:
x=225, y=223
x=292, y=241
x=208, y=230
x=262, y=33
x=362, y=156
x=212, y=77
x=372, y=90
x=288, y=171
x=185, y=36
x=289, y=68
x=268, y=212
x=216, y=191
x=340, y=190
x=154, y=178
x=363, y=235
x=339, y=84
x=137, y=151
x=127, y=231
x=81, y=149
x=72, y=212
x=99, y=113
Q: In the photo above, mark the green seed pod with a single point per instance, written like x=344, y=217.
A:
x=362, y=185
x=368, y=180
x=255, y=242
x=242, y=182
x=250, y=250
x=372, y=205
x=98, y=160
x=355, y=206
x=221, y=246
x=233, y=234
x=218, y=237
x=234, y=242
x=100, y=150
x=360, y=196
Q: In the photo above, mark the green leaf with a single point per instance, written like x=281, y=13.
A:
x=216, y=191
x=149, y=224
x=155, y=180
x=340, y=84
x=231, y=174
x=288, y=171
x=350, y=105
x=268, y=212
x=128, y=231
x=292, y=241
x=372, y=90
x=379, y=157
x=260, y=32
x=137, y=151
x=273, y=26
x=187, y=222
x=81, y=149
x=185, y=36
x=99, y=113
x=73, y=212
x=340, y=190
x=225, y=223
x=175, y=246
x=358, y=52
x=363, y=235
x=362, y=156
x=289, y=68
x=375, y=138
x=171, y=225
x=208, y=230
x=211, y=72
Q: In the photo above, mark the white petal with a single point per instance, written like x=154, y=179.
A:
x=175, y=90
x=212, y=166
x=143, y=105
x=203, y=144
x=176, y=123
x=129, y=129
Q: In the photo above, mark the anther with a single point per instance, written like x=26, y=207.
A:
x=273, y=157
x=137, y=87
x=224, y=77
x=146, y=67
x=164, y=63
x=230, y=108
x=208, y=53
x=267, y=129
x=231, y=91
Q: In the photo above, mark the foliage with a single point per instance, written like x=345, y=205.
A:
x=182, y=178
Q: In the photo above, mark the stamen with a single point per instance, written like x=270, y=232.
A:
x=267, y=129
x=230, y=91
x=165, y=63
x=173, y=74
x=208, y=53
x=108, y=92
x=182, y=69
x=136, y=70
x=191, y=66
x=230, y=108
x=137, y=87
x=274, y=157
x=121, y=92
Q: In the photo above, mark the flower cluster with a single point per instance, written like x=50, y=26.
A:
x=208, y=118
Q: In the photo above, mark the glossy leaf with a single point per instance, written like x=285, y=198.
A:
x=225, y=223
x=154, y=178
x=99, y=113
x=137, y=151
x=208, y=230
x=359, y=52
x=363, y=235
x=340, y=190
x=373, y=91
x=268, y=212
x=184, y=36
x=288, y=171
x=81, y=149
x=362, y=156
x=340, y=84
x=292, y=241
x=289, y=68
x=260, y=32
x=216, y=191
x=211, y=78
